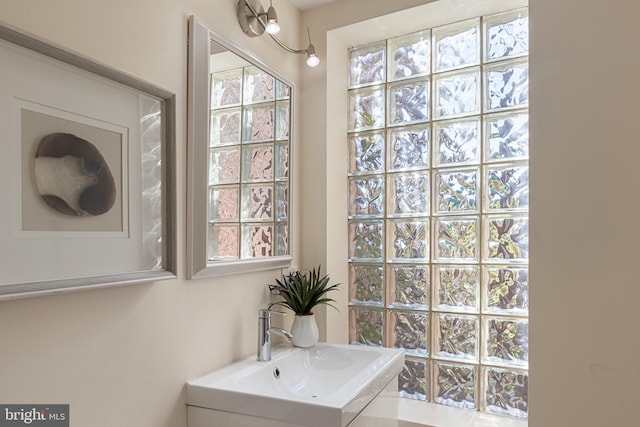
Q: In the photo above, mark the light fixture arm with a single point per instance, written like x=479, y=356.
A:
x=251, y=18
x=285, y=47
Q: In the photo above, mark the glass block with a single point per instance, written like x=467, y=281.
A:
x=258, y=85
x=409, y=331
x=507, y=85
x=507, y=290
x=366, y=152
x=455, y=385
x=457, y=288
x=457, y=336
x=413, y=381
x=410, y=55
x=282, y=201
x=282, y=160
x=258, y=123
x=409, y=102
x=457, y=94
x=456, y=240
x=366, y=326
x=408, y=240
x=409, y=148
x=367, y=65
x=282, y=120
x=224, y=203
x=506, y=35
x=257, y=162
x=456, y=191
x=408, y=286
x=366, y=284
x=408, y=194
x=366, y=108
x=226, y=88
x=223, y=242
x=507, y=136
x=506, y=392
x=282, y=239
x=225, y=127
x=283, y=90
x=257, y=240
x=507, y=188
x=508, y=239
x=456, y=45
x=506, y=341
x=366, y=196
x=257, y=202
x=366, y=240
x=224, y=165
x=456, y=142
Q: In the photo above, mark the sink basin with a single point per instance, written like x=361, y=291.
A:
x=325, y=385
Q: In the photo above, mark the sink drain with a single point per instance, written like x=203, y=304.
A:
x=276, y=373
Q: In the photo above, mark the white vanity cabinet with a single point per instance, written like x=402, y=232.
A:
x=382, y=411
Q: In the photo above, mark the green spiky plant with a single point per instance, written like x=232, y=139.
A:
x=302, y=292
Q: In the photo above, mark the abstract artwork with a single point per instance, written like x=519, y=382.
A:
x=72, y=176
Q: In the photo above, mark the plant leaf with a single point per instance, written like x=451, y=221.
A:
x=302, y=292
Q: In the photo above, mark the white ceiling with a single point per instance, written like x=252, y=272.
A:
x=309, y=4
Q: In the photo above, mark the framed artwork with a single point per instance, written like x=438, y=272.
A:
x=86, y=175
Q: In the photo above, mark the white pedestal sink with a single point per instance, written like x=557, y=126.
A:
x=324, y=386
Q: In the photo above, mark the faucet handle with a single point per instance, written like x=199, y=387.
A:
x=265, y=313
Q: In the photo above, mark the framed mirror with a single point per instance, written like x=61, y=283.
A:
x=239, y=146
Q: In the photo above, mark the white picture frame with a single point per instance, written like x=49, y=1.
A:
x=46, y=90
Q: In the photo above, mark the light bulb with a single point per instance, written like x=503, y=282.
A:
x=272, y=26
x=312, y=58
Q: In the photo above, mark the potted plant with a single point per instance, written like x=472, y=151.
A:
x=301, y=292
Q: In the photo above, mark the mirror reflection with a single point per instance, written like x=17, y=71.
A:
x=248, y=173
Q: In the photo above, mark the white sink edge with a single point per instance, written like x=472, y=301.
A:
x=319, y=414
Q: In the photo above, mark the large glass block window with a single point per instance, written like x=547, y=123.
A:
x=248, y=200
x=438, y=190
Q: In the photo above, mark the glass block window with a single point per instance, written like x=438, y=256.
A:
x=248, y=200
x=438, y=190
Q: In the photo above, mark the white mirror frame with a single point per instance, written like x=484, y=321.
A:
x=200, y=37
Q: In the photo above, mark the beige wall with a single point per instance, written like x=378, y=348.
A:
x=120, y=356
x=584, y=213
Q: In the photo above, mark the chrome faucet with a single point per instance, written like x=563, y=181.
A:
x=264, y=333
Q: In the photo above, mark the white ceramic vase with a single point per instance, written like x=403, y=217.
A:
x=304, y=330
